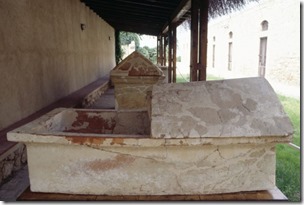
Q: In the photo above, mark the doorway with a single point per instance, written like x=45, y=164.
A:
x=262, y=56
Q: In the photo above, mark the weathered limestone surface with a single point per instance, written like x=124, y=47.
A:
x=206, y=138
x=132, y=79
x=63, y=121
x=151, y=171
x=245, y=107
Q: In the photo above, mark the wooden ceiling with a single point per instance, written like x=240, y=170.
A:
x=141, y=16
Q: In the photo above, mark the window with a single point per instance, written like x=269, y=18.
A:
x=230, y=56
x=230, y=51
x=213, y=56
x=213, y=53
x=230, y=35
x=264, y=25
x=262, y=56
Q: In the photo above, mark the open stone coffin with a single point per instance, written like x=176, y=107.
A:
x=201, y=138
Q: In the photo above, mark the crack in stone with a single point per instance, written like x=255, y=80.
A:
x=179, y=185
x=222, y=124
x=246, y=108
x=150, y=158
x=218, y=150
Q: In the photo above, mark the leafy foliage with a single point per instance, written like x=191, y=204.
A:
x=288, y=175
x=149, y=53
x=118, y=50
x=125, y=38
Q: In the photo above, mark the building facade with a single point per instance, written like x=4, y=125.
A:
x=262, y=39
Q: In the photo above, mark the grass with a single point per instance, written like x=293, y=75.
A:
x=292, y=109
x=288, y=175
x=185, y=78
x=288, y=170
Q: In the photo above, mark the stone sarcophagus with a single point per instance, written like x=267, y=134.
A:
x=200, y=138
x=133, y=79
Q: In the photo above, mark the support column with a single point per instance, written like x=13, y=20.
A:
x=161, y=50
x=157, y=51
x=160, y=56
x=172, y=53
x=194, y=40
x=203, y=40
x=199, y=27
x=165, y=49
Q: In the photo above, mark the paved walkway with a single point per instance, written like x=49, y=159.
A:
x=106, y=101
x=13, y=188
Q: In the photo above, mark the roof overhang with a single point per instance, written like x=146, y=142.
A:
x=150, y=17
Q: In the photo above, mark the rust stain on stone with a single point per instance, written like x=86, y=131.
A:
x=143, y=70
x=119, y=141
x=85, y=140
x=95, y=124
x=109, y=164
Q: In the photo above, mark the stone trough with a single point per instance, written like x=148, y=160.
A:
x=199, y=138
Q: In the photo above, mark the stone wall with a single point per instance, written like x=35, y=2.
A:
x=45, y=55
x=12, y=161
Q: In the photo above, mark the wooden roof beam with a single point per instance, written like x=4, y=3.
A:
x=179, y=12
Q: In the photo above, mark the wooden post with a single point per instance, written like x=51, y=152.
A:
x=161, y=51
x=165, y=50
x=194, y=40
x=203, y=39
x=170, y=54
x=199, y=32
x=158, y=50
x=174, y=53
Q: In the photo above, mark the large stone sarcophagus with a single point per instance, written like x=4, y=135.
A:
x=200, y=138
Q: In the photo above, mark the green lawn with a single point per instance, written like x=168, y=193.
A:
x=185, y=78
x=288, y=175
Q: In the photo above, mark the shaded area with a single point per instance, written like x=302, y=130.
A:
x=268, y=195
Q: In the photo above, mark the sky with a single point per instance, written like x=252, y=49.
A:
x=146, y=40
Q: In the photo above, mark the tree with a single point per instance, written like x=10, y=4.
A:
x=127, y=37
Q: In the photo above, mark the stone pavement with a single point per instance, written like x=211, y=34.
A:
x=10, y=190
x=106, y=101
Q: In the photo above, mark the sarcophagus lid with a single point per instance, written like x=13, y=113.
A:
x=136, y=65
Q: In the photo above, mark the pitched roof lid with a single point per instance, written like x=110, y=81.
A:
x=136, y=65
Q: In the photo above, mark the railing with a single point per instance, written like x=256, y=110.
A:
x=294, y=146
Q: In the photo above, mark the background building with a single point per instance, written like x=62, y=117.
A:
x=263, y=39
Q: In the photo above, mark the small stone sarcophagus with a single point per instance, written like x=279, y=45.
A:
x=133, y=79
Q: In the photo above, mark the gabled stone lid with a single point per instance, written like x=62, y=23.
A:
x=136, y=65
x=235, y=108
